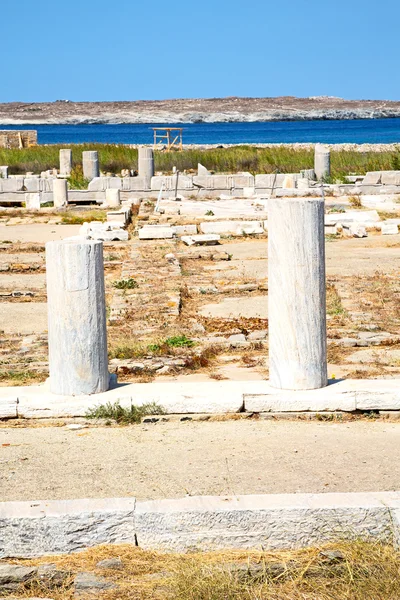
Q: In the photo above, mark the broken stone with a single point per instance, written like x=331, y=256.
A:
x=202, y=171
x=111, y=563
x=201, y=240
x=51, y=576
x=88, y=582
x=15, y=574
x=257, y=335
x=389, y=228
x=239, y=337
x=357, y=231
x=156, y=232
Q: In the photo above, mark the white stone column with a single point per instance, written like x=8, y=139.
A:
x=90, y=164
x=77, y=317
x=296, y=293
x=113, y=198
x=65, y=163
x=60, y=193
x=146, y=164
x=322, y=162
x=3, y=172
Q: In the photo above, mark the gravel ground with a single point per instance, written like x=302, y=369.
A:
x=177, y=458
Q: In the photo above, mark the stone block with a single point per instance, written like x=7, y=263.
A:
x=389, y=228
x=100, y=184
x=32, y=529
x=273, y=521
x=202, y=171
x=185, y=229
x=185, y=182
x=201, y=240
x=118, y=216
x=231, y=227
x=372, y=178
x=3, y=172
x=357, y=230
x=12, y=184
x=334, y=397
x=32, y=184
x=390, y=178
x=134, y=184
x=32, y=201
x=8, y=404
x=113, y=235
x=156, y=232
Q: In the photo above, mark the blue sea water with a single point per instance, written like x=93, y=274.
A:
x=359, y=131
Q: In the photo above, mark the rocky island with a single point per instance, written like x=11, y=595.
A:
x=196, y=110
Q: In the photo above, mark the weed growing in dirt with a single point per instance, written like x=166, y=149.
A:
x=125, y=284
x=123, y=416
x=355, y=202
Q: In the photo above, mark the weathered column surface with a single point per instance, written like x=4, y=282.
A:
x=146, y=163
x=32, y=201
x=90, y=164
x=113, y=198
x=322, y=161
x=65, y=162
x=296, y=293
x=77, y=317
x=60, y=193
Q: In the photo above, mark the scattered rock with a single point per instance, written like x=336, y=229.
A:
x=257, y=335
x=111, y=563
x=89, y=583
x=15, y=573
x=239, y=337
x=51, y=576
x=332, y=556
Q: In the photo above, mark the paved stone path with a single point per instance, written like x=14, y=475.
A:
x=177, y=458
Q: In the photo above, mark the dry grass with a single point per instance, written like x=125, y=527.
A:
x=80, y=217
x=356, y=571
x=334, y=305
x=26, y=377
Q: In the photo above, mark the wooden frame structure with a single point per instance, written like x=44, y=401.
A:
x=171, y=137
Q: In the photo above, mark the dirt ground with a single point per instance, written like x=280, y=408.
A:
x=167, y=460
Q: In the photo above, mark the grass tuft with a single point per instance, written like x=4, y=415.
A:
x=125, y=284
x=123, y=416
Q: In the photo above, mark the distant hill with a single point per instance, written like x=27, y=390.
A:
x=209, y=110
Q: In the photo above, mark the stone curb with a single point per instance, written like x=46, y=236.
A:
x=276, y=521
x=29, y=529
x=208, y=397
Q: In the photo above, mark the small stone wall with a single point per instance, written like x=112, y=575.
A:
x=18, y=139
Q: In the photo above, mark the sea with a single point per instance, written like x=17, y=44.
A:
x=357, y=131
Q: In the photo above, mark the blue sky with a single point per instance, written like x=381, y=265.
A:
x=129, y=49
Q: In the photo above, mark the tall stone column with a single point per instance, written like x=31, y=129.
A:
x=60, y=193
x=90, y=164
x=296, y=293
x=322, y=162
x=65, y=163
x=146, y=164
x=77, y=317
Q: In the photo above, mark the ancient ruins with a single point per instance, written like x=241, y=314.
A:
x=201, y=296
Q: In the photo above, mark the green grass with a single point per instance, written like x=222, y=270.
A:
x=283, y=159
x=123, y=416
x=76, y=180
x=125, y=284
x=177, y=341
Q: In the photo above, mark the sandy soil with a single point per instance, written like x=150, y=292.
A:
x=175, y=459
